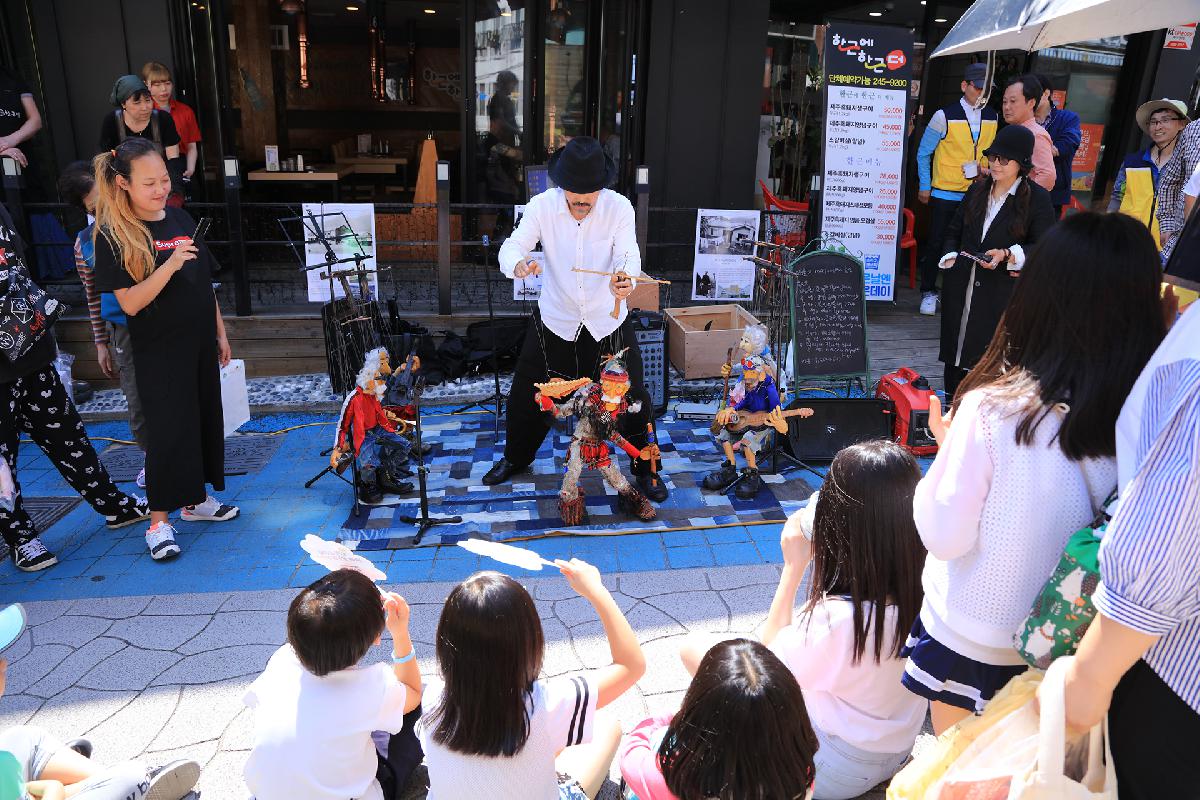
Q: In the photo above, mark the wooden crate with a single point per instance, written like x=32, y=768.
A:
x=699, y=353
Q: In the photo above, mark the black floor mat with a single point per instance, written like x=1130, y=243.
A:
x=243, y=455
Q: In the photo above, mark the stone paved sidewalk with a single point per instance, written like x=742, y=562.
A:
x=161, y=677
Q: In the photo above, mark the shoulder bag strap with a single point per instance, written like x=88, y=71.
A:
x=122, y=131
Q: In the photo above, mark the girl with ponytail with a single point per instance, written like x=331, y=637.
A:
x=161, y=278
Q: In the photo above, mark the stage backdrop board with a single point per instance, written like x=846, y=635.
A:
x=866, y=95
x=720, y=270
x=350, y=229
x=830, y=316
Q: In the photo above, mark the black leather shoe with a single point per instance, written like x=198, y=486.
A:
x=389, y=485
x=500, y=473
x=653, y=486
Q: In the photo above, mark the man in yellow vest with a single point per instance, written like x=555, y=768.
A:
x=949, y=157
x=1137, y=181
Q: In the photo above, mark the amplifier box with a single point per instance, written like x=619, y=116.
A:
x=651, y=335
x=836, y=423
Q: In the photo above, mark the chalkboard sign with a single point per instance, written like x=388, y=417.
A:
x=829, y=315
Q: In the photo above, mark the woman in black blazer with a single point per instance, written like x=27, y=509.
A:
x=998, y=220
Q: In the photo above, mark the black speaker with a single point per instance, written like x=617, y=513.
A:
x=837, y=422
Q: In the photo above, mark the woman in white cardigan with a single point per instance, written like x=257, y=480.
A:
x=1030, y=455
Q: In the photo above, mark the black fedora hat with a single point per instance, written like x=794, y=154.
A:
x=582, y=166
x=1015, y=142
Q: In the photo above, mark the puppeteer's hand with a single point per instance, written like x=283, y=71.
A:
x=526, y=267
x=621, y=285
x=938, y=424
x=777, y=420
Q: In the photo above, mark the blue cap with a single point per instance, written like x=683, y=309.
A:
x=12, y=623
x=975, y=74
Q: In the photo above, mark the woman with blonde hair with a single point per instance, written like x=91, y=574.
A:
x=161, y=278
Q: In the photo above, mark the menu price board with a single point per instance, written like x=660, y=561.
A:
x=868, y=76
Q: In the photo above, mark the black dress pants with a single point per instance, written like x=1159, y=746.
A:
x=1155, y=739
x=545, y=356
x=39, y=406
x=941, y=213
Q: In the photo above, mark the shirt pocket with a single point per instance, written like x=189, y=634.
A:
x=598, y=254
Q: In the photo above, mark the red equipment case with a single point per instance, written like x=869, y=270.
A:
x=909, y=393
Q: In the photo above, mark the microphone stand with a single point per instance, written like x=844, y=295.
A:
x=496, y=398
x=424, y=522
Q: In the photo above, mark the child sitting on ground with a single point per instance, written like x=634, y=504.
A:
x=844, y=647
x=318, y=713
x=741, y=733
x=493, y=728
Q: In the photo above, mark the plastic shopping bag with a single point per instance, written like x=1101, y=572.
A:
x=1024, y=756
x=235, y=400
x=914, y=781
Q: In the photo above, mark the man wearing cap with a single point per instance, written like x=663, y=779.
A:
x=948, y=159
x=581, y=225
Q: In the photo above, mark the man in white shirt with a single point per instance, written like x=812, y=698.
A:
x=581, y=317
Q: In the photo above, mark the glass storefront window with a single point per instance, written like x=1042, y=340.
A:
x=565, y=92
x=499, y=113
x=1085, y=76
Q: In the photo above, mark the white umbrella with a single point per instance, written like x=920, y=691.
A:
x=1036, y=24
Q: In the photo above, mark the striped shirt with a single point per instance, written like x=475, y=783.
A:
x=1149, y=558
x=84, y=265
x=1171, y=178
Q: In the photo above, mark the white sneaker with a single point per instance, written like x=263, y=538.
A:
x=929, y=304
x=141, y=479
x=161, y=541
x=211, y=510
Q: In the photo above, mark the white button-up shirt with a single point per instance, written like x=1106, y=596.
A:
x=605, y=240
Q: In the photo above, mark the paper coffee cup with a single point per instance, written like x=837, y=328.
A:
x=970, y=169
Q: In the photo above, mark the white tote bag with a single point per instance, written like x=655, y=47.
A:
x=235, y=401
x=1023, y=757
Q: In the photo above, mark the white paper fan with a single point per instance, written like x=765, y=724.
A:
x=506, y=554
x=333, y=555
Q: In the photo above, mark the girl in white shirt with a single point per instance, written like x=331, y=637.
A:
x=844, y=646
x=1029, y=458
x=493, y=728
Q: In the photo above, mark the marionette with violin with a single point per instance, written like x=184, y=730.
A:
x=598, y=407
x=745, y=422
x=373, y=434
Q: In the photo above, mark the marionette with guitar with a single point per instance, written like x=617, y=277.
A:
x=373, y=434
x=744, y=422
x=598, y=408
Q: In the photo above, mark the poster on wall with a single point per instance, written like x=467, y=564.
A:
x=528, y=288
x=350, y=230
x=720, y=270
x=1083, y=166
x=868, y=75
x=1180, y=37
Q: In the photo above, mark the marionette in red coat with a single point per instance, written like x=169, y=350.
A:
x=598, y=406
x=372, y=433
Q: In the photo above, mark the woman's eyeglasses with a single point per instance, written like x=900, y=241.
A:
x=1000, y=161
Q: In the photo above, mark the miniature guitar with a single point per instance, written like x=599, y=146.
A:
x=560, y=388
x=715, y=428
x=756, y=420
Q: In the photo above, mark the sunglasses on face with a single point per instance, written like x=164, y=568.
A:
x=1000, y=161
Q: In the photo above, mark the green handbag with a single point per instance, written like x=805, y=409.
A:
x=1063, y=609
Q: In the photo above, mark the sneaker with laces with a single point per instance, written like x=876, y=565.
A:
x=136, y=510
x=929, y=303
x=161, y=541
x=141, y=479
x=32, y=556
x=211, y=510
x=173, y=780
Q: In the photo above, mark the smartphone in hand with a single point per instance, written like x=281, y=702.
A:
x=201, y=230
x=979, y=258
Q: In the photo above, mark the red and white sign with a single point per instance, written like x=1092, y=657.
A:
x=1180, y=37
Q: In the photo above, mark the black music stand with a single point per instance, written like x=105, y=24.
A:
x=496, y=398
